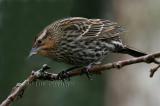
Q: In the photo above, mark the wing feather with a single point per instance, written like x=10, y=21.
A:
x=84, y=28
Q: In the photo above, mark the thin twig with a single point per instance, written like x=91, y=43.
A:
x=42, y=74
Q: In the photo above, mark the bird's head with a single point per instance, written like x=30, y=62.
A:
x=43, y=44
x=47, y=40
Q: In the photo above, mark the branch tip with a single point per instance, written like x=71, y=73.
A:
x=153, y=70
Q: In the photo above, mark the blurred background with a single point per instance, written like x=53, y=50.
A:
x=21, y=20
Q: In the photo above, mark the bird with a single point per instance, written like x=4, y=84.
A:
x=80, y=41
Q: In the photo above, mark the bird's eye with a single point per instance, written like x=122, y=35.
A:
x=39, y=41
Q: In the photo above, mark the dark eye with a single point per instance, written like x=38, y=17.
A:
x=39, y=41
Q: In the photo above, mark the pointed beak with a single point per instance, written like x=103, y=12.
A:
x=33, y=52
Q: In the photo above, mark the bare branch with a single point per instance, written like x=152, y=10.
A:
x=42, y=74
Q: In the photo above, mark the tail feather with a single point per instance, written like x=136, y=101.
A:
x=136, y=53
x=132, y=52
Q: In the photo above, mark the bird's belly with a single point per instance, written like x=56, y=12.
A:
x=81, y=57
x=81, y=54
x=86, y=56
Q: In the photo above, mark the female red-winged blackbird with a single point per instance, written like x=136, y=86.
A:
x=81, y=41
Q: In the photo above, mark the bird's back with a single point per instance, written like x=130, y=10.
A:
x=84, y=41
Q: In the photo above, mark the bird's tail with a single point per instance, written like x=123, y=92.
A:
x=136, y=53
x=132, y=52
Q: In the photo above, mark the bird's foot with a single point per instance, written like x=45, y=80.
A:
x=85, y=71
x=64, y=74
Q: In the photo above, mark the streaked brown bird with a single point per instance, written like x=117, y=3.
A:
x=80, y=41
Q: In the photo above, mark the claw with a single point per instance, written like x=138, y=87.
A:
x=85, y=71
x=64, y=74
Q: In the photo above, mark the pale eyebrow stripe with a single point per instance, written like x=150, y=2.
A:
x=42, y=34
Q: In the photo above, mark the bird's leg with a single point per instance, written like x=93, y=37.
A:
x=85, y=70
x=64, y=74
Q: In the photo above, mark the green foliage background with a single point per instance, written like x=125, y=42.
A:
x=20, y=21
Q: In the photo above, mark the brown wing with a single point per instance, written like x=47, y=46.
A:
x=104, y=29
x=86, y=28
x=75, y=26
